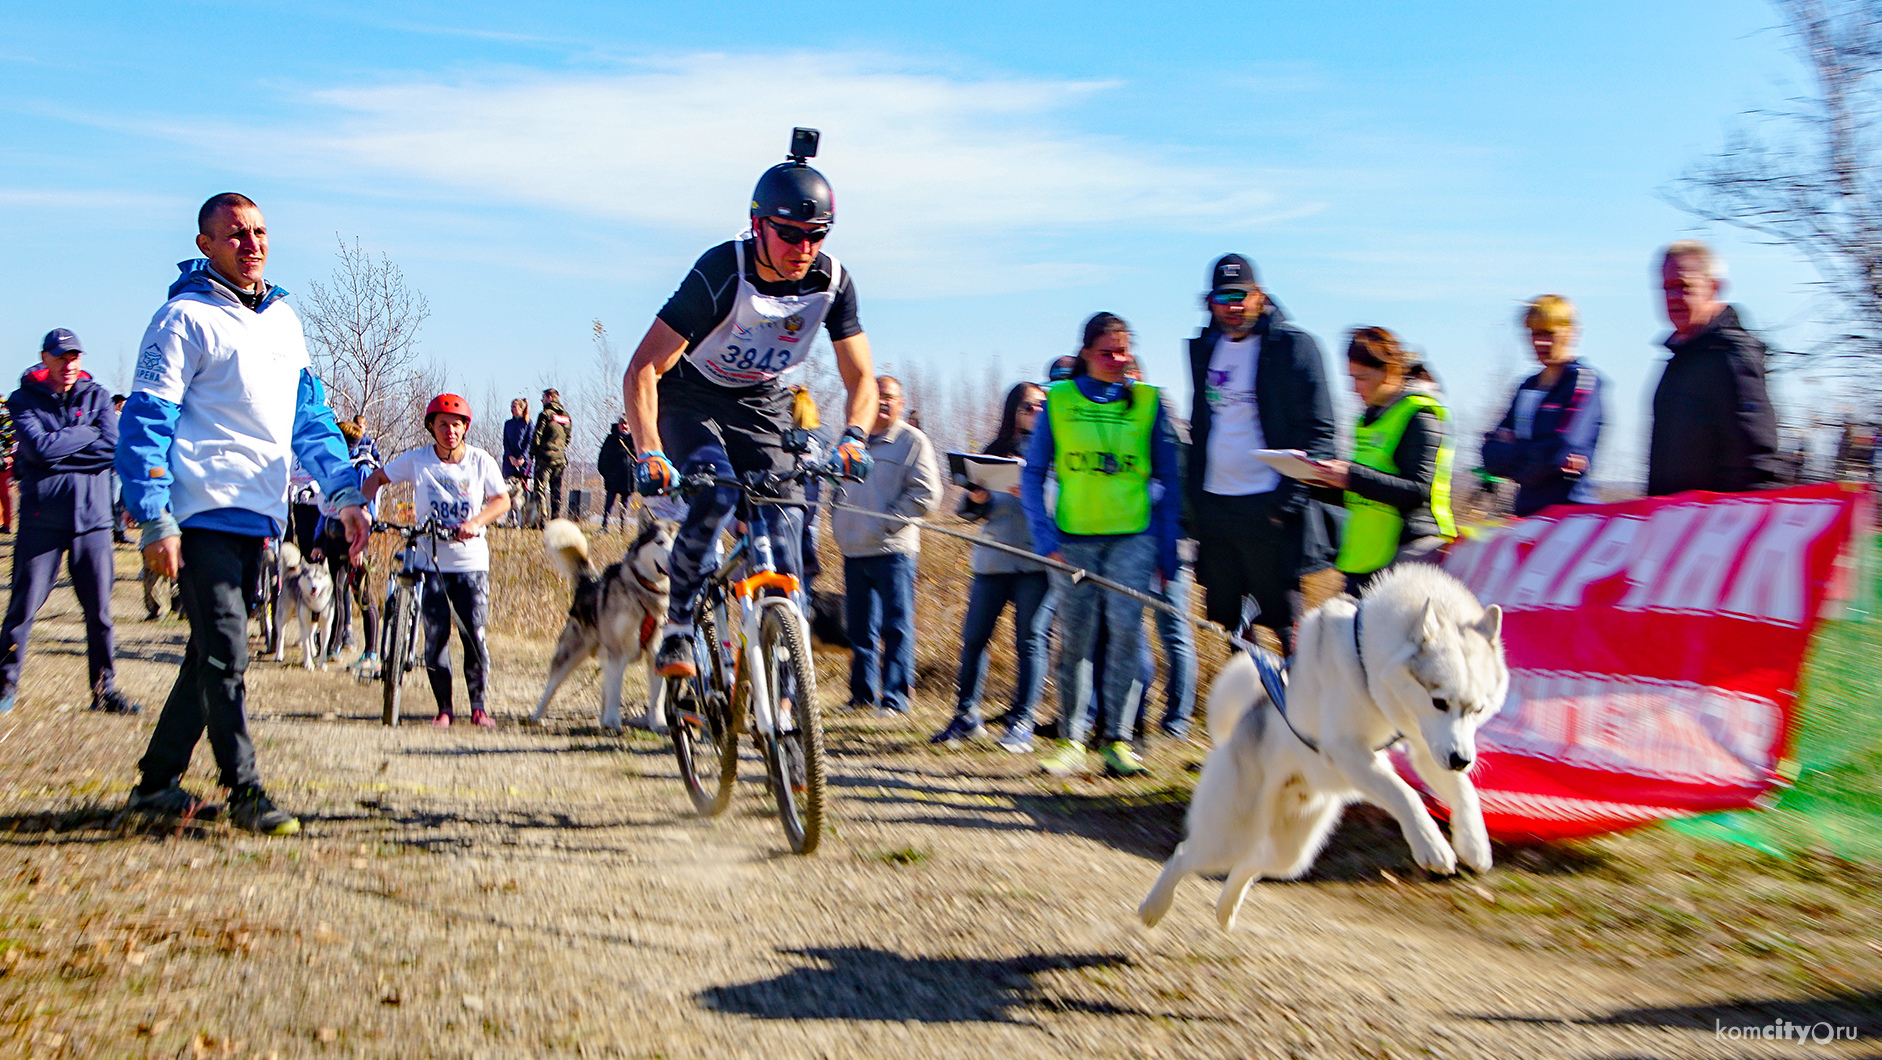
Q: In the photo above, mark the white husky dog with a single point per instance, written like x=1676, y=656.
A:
x=1419, y=657
x=618, y=611
x=307, y=593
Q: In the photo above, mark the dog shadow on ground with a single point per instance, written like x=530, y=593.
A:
x=859, y=983
x=1145, y=823
x=1838, y=1017
x=1149, y=823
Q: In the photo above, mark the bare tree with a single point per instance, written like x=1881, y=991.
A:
x=363, y=328
x=1804, y=175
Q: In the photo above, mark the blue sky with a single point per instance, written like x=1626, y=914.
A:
x=1002, y=170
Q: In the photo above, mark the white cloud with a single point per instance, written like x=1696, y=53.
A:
x=936, y=175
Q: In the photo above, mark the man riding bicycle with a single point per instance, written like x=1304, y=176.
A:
x=704, y=381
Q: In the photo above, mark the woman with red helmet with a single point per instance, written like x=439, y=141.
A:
x=460, y=487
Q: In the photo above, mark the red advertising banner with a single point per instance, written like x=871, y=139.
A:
x=1654, y=648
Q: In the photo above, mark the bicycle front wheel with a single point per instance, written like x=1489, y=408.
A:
x=795, y=754
x=271, y=631
x=398, y=637
x=704, y=728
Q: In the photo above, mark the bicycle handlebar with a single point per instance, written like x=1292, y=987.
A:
x=428, y=528
x=755, y=483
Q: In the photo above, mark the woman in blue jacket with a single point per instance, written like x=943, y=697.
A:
x=1546, y=441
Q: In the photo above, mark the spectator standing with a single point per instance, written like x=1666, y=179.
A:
x=118, y=535
x=1713, y=425
x=616, y=465
x=880, y=555
x=67, y=433
x=1001, y=578
x=1258, y=383
x=1546, y=441
x=805, y=416
x=364, y=445
x=517, y=433
x=6, y=469
x=1110, y=444
x=548, y=447
x=1397, y=487
x=224, y=395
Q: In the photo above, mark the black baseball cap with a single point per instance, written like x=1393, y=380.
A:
x=1232, y=272
x=59, y=340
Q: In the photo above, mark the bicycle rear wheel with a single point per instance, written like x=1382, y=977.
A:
x=795, y=754
x=398, y=638
x=704, y=727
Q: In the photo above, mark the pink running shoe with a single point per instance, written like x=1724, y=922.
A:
x=442, y=721
x=481, y=719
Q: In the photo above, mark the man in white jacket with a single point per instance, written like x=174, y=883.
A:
x=224, y=400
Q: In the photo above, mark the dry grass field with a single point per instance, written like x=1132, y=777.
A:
x=546, y=892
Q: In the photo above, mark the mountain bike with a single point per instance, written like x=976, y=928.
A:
x=398, y=633
x=751, y=648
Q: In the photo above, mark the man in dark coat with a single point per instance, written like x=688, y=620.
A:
x=616, y=465
x=1713, y=425
x=1258, y=384
x=67, y=435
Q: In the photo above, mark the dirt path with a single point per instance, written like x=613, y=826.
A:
x=533, y=893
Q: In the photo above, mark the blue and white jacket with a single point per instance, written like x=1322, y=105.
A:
x=224, y=399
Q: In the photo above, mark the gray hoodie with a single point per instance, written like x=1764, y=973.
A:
x=905, y=481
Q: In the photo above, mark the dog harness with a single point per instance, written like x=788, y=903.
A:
x=1272, y=670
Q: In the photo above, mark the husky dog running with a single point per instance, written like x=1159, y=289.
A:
x=306, y=593
x=617, y=611
x=1418, y=657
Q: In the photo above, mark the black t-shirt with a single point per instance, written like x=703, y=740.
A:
x=705, y=296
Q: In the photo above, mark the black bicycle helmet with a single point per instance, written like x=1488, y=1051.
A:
x=794, y=191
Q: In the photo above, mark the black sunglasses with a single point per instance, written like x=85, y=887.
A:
x=1227, y=297
x=795, y=236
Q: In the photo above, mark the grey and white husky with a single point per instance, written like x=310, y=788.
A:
x=1418, y=657
x=307, y=594
x=618, y=612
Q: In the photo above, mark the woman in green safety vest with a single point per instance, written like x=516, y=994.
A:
x=1397, y=487
x=1108, y=441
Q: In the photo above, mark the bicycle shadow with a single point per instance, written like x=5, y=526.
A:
x=860, y=983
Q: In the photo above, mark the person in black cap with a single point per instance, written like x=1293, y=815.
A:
x=1259, y=384
x=67, y=434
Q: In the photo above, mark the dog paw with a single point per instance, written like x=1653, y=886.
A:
x=1435, y=856
x=1473, y=848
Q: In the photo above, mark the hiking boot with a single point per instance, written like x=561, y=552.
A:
x=1066, y=761
x=675, y=657
x=442, y=721
x=1018, y=737
x=963, y=728
x=112, y=701
x=170, y=801
x=1120, y=760
x=250, y=809
x=481, y=719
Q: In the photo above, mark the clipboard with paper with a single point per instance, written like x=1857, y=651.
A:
x=1290, y=462
x=995, y=474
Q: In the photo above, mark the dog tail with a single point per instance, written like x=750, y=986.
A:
x=567, y=547
x=290, y=555
x=1236, y=691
